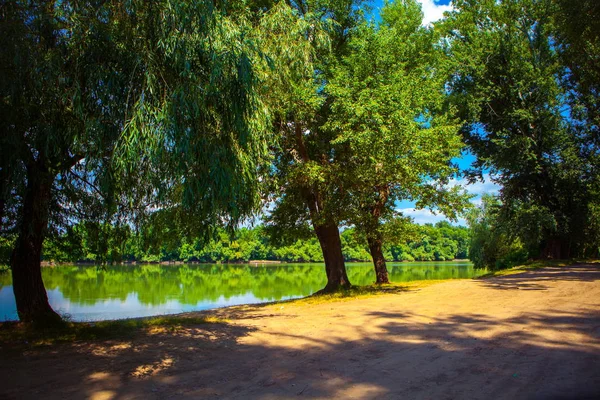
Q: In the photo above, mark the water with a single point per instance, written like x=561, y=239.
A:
x=88, y=293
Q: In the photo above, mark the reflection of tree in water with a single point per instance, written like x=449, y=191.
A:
x=190, y=284
x=428, y=272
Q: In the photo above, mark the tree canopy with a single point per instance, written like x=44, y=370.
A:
x=388, y=112
x=513, y=90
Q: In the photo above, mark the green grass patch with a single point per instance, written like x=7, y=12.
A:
x=21, y=334
x=356, y=292
x=535, y=264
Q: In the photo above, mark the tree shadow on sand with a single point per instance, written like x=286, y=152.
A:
x=539, y=280
x=397, y=355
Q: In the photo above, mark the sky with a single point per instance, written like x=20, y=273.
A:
x=432, y=9
x=477, y=189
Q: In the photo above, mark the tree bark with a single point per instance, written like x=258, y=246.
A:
x=331, y=245
x=28, y=286
x=556, y=248
x=4, y=190
x=372, y=230
x=327, y=232
x=375, y=248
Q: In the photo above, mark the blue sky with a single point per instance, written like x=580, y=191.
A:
x=477, y=189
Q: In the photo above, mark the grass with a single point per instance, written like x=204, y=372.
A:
x=21, y=334
x=356, y=292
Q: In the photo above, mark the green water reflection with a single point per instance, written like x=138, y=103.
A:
x=88, y=292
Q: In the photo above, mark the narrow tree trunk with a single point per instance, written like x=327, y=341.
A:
x=2, y=207
x=375, y=248
x=331, y=245
x=4, y=185
x=28, y=287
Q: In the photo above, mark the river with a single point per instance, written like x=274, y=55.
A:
x=91, y=293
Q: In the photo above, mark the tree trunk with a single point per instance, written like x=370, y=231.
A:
x=327, y=232
x=375, y=248
x=331, y=245
x=556, y=248
x=4, y=191
x=2, y=207
x=28, y=287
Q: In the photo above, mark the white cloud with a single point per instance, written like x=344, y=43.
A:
x=477, y=189
x=426, y=216
x=433, y=11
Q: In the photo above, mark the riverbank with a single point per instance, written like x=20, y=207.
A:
x=533, y=334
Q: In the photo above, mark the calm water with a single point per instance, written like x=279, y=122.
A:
x=90, y=293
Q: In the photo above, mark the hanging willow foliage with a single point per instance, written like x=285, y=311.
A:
x=123, y=102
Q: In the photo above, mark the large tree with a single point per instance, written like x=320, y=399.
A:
x=306, y=39
x=576, y=31
x=388, y=112
x=522, y=120
x=166, y=84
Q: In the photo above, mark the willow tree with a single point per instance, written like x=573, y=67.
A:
x=166, y=84
x=388, y=111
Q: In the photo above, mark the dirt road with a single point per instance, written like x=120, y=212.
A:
x=535, y=335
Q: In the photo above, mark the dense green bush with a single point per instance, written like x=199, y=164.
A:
x=493, y=244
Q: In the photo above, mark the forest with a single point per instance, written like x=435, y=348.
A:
x=155, y=131
x=442, y=242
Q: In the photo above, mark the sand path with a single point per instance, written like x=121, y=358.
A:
x=534, y=335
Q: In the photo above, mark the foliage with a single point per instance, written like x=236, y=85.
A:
x=164, y=89
x=493, y=244
x=577, y=35
x=388, y=113
x=511, y=85
x=440, y=242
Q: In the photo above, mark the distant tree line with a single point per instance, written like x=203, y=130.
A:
x=89, y=243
